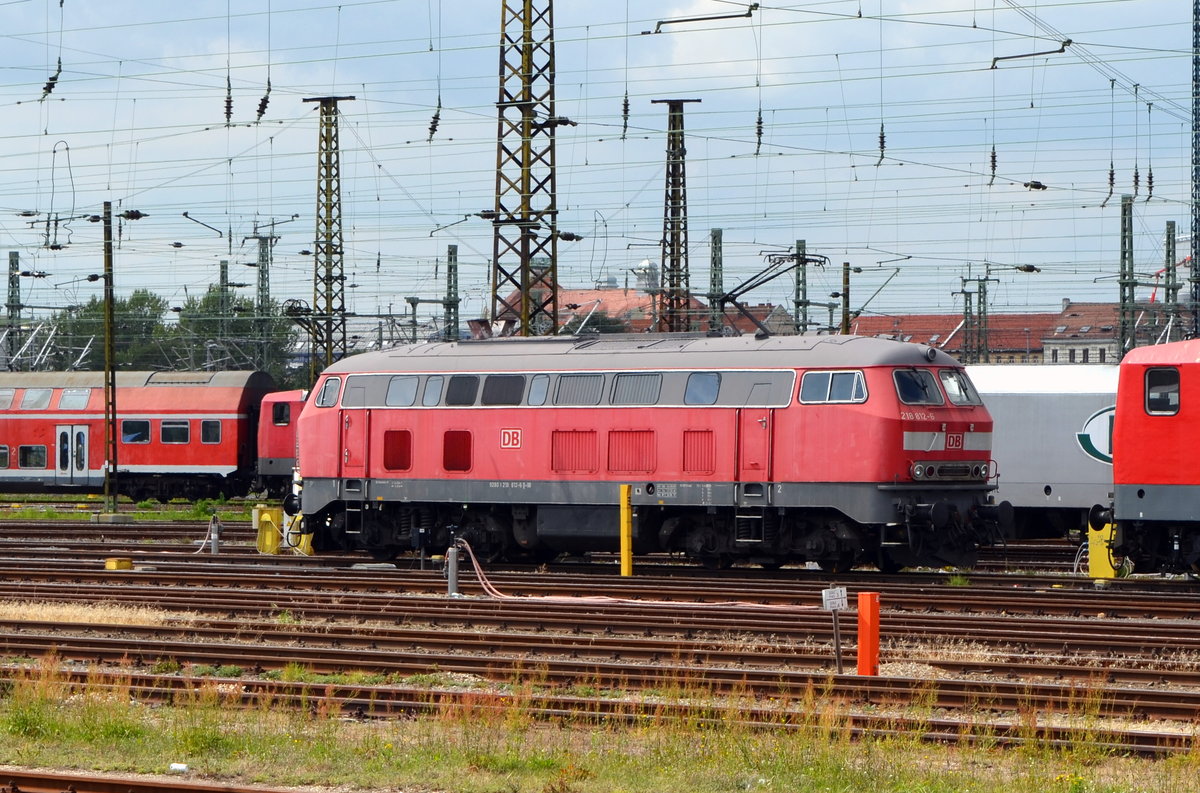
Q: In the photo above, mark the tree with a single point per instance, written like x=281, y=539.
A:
x=140, y=339
x=224, y=331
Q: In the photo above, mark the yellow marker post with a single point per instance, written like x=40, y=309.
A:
x=626, y=530
x=1100, y=552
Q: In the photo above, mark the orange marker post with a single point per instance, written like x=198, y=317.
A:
x=868, y=633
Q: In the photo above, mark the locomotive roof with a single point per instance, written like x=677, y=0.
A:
x=254, y=380
x=619, y=351
x=1083, y=378
x=1178, y=352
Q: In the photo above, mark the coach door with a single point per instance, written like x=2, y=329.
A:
x=71, y=454
x=754, y=445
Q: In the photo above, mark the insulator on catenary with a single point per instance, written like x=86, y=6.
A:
x=49, y=86
x=993, y=179
x=228, y=100
x=1112, y=184
x=1136, y=180
x=882, y=145
x=437, y=119
x=758, y=129
x=625, y=115
x=262, y=103
x=1149, y=184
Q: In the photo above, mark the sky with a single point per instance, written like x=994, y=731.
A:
x=137, y=116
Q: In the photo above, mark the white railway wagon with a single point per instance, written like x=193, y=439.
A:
x=1052, y=443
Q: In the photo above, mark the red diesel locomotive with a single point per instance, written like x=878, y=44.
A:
x=830, y=449
x=187, y=434
x=1156, y=483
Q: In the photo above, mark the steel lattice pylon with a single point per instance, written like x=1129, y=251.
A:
x=328, y=326
x=676, y=287
x=525, y=238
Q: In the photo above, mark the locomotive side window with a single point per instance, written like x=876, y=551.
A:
x=456, y=450
x=702, y=388
x=539, y=387
x=36, y=398
x=401, y=391
x=31, y=456
x=281, y=414
x=174, y=431
x=823, y=387
x=959, y=387
x=433, y=391
x=397, y=450
x=462, y=389
x=636, y=389
x=917, y=387
x=329, y=392
x=74, y=398
x=503, y=389
x=135, y=431
x=210, y=431
x=3, y=457
x=579, y=389
x=6, y=397
x=1162, y=391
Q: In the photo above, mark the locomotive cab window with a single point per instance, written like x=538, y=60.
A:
x=36, y=398
x=74, y=398
x=917, y=387
x=959, y=387
x=1162, y=391
x=135, y=431
x=174, y=431
x=329, y=392
x=702, y=388
x=281, y=414
x=835, y=387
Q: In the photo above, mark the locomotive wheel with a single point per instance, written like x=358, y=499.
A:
x=839, y=564
x=716, y=562
x=489, y=536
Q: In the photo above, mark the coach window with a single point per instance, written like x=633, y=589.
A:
x=636, y=389
x=503, y=389
x=539, y=386
x=3, y=457
x=702, y=388
x=1162, y=391
x=74, y=398
x=31, y=456
x=579, y=389
x=64, y=450
x=135, y=431
x=329, y=392
x=433, y=391
x=6, y=397
x=210, y=431
x=917, y=387
x=174, y=431
x=402, y=391
x=36, y=398
x=959, y=387
x=462, y=389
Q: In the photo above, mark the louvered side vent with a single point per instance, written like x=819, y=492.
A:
x=699, y=452
x=573, y=451
x=631, y=451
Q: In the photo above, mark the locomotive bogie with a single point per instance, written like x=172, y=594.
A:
x=775, y=450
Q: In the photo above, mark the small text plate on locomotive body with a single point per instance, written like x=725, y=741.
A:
x=834, y=599
x=667, y=490
x=510, y=485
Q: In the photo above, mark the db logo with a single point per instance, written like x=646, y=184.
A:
x=510, y=439
x=954, y=440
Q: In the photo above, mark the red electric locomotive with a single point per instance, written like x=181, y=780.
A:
x=277, y=440
x=1156, y=483
x=833, y=449
x=188, y=434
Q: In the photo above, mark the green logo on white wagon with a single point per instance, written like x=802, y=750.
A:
x=1095, y=439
